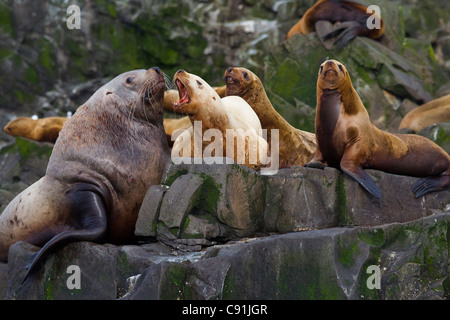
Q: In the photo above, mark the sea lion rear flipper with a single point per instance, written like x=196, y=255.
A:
x=323, y=29
x=430, y=184
x=89, y=217
x=344, y=33
x=364, y=180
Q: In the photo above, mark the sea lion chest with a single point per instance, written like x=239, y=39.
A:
x=328, y=134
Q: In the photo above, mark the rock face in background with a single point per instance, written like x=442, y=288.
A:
x=218, y=232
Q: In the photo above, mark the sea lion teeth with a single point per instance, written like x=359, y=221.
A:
x=183, y=93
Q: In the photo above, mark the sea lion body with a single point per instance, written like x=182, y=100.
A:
x=296, y=147
x=353, y=15
x=104, y=160
x=435, y=111
x=42, y=130
x=347, y=139
x=202, y=103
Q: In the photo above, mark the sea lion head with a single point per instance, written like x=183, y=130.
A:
x=15, y=127
x=239, y=81
x=138, y=93
x=332, y=75
x=194, y=93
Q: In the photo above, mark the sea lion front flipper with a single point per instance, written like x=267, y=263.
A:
x=363, y=179
x=90, y=218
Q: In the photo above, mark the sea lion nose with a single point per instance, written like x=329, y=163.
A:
x=230, y=69
x=179, y=71
x=329, y=63
x=158, y=70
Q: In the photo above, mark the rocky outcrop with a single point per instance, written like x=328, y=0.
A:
x=225, y=231
x=411, y=260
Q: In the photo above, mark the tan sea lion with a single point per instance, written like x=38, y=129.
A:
x=104, y=160
x=352, y=15
x=347, y=139
x=435, y=111
x=296, y=147
x=171, y=125
x=43, y=130
x=171, y=97
x=230, y=114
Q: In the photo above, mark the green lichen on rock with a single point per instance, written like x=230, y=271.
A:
x=27, y=149
x=211, y=193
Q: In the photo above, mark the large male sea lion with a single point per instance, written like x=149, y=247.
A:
x=352, y=15
x=43, y=130
x=104, y=160
x=296, y=147
x=435, y=111
x=229, y=114
x=347, y=139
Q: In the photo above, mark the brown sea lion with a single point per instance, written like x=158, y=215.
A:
x=42, y=130
x=104, y=160
x=229, y=114
x=347, y=139
x=352, y=15
x=435, y=111
x=296, y=147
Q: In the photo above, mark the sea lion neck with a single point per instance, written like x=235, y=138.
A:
x=214, y=115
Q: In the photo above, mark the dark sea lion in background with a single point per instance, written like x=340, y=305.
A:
x=42, y=130
x=352, y=16
x=104, y=160
x=296, y=147
x=347, y=139
x=435, y=111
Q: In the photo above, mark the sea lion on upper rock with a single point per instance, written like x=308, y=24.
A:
x=352, y=15
x=104, y=160
x=229, y=114
x=42, y=130
x=296, y=147
x=347, y=139
x=435, y=111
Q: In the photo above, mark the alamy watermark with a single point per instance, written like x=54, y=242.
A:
x=74, y=280
x=74, y=19
x=241, y=145
x=374, y=21
x=374, y=280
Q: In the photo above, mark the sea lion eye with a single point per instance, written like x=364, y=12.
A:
x=129, y=80
x=340, y=68
x=245, y=74
x=321, y=69
x=199, y=83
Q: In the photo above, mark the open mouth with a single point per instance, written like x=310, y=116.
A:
x=182, y=91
